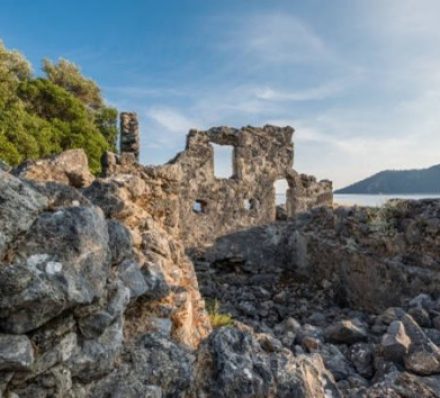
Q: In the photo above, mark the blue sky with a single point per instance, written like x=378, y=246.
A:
x=359, y=80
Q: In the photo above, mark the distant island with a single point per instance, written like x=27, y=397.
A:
x=416, y=181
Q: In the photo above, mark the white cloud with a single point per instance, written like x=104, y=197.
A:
x=171, y=119
x=319, y=92
x=280, y=38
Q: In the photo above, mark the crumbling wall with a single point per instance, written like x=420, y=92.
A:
x=129, y=134
x=207, y=207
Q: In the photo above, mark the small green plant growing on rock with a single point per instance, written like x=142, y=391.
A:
x=216, y=317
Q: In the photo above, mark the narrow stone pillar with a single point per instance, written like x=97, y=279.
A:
x=129, y=138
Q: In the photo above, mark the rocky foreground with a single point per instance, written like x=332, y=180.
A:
x=99, y=299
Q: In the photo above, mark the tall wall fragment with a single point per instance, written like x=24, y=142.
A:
x=205, y=206
x=129, y=134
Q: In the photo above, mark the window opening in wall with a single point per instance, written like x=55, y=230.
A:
x=199, y=206
x=249, y=204
x=281, y=187
x=223, y=161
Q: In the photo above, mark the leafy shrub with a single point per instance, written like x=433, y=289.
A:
x=47, y=115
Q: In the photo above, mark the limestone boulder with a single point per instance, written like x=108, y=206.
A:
x=62, y=261
x=70, y=167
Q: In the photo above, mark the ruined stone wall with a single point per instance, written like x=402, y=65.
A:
x=129, y=134
x=306, y=192
x=203, y=207
x=261, y=156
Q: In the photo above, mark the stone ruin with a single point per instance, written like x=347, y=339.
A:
x=207, y=207
x=100, y=299
x=129, y=137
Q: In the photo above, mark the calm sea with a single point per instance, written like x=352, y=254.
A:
x=365, y=200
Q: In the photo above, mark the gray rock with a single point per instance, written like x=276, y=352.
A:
x=434, y=335
x=240, y=367
x=16, y=353
x=20, y=204
x=93, y=324
x=422, y=300
x=120, y=242
x=362, y=357
x=60, y=195
x=132, y=277
x=336, y=362
x=94, y=358
x=157, y=287
x=153, y=367
x=421, y=316
x=346, y=332
x=423, y=356
x=62, y=262
x=395, y=343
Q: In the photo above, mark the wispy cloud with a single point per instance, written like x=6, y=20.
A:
x=171, y=119
x=279, y=38
x=353, y=116
x=319, y=92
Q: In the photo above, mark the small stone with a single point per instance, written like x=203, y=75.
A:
x=16, y=352
x=361, y=354
x=421, y=316
x=291, y=324
x=310, y=343
x=423, y=356
x=345, y=332
x=422, y=300
x=395, y=343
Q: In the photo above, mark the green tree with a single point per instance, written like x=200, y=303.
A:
x=67, y=75
x=44, y=116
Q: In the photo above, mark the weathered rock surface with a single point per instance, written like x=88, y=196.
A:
x=98, y=298
x=70, y=167
x=321, y=272
x=16, y=353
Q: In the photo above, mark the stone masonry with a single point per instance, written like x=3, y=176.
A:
x=129, y=138
x=207, y=207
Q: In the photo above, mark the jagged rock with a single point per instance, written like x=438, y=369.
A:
x=120, y=242
x=61, y=262
x=423, y=356
x=395, y=343
x=70, y=167
x=19, y=206
x=345, y=332
x=402, y=384
x=132, y=277
x=93, y=324
x=421, y=316
x=154, y=278
x=336, y=362
x=362, y=357
x=16, y=353
x=233, y=364
x=422, y=300
x=60, y=195
x=94, y=358
x=152, y=361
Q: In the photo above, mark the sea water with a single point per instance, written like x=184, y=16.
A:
x=370, y=200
